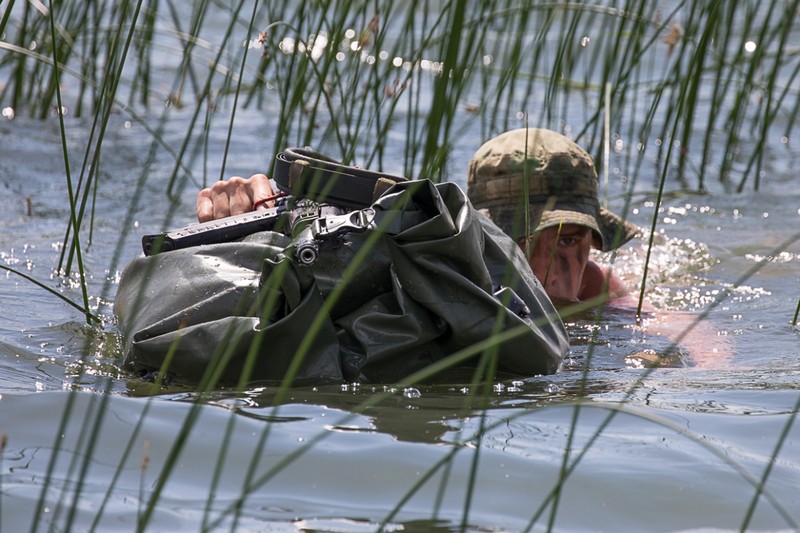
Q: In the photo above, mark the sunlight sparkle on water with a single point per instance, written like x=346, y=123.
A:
x=783, y=257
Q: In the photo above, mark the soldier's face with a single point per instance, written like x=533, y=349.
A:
x=558, y=257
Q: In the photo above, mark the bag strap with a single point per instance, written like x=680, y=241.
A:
x=304, y=173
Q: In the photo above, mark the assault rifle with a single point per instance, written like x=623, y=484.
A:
x=302, y=175
x=212, y=232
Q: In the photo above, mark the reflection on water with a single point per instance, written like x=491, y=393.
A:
x=369, y=447
x=655, y=427
x=318, y=458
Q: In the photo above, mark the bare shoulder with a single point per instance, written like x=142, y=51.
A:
x=599, y=280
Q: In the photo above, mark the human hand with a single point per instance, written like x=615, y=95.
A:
x=234, y=196
x=698, y=338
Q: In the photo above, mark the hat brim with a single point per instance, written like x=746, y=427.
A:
x=616, y=231
x=610, y=230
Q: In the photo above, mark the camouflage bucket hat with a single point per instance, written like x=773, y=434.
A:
x=561, y=186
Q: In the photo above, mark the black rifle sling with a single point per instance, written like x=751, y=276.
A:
x=304, y=173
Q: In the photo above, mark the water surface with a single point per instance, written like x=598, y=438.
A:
x=680, y=447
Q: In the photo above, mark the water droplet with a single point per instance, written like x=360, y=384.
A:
x=411, y=392
x=552, y=388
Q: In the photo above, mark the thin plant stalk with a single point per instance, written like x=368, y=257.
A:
x=67, y=174
x=719, y=300
x=779, y=442
x=519, y=78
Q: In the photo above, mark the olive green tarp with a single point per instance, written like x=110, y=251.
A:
x=438, y=278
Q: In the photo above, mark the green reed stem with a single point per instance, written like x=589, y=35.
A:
x=93, y=430
x=6, y=16
x=216, y=369
x=784, y=435
x=772, y=105
x=354, y=110
x=239, y=82
x=185, y=70
x=94, y=319
x=101, y=118
x=204, y=97
x=420, y=376
x=121, y=465
x=442, y=104
x=68, y=175
x=320, y=320
x=486, y=372
x=718, y=300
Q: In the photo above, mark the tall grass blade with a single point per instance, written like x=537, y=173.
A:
x=710, y=82
x=779, y=443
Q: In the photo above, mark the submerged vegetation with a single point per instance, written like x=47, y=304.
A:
x=662, y=83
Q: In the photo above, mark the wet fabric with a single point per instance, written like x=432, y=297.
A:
x=433, y=278
x=548, y=175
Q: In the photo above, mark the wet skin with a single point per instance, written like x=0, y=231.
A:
x=234, y=196
x=559, y=256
